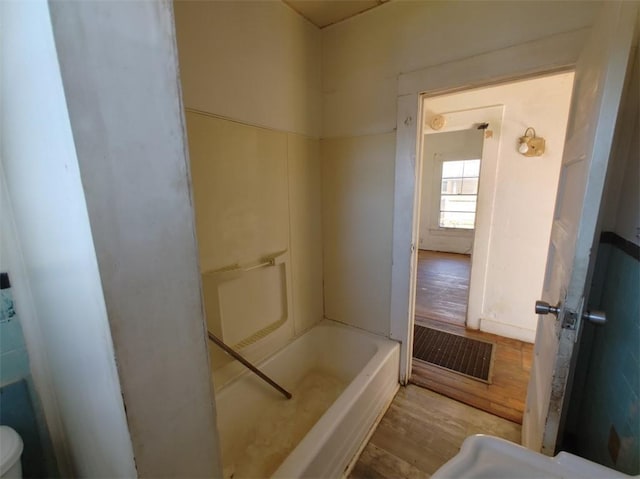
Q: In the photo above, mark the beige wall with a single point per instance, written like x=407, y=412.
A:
x=357, y=201
x=363, y=56
x=361, y=60
x=251, y=82
x=253, y=61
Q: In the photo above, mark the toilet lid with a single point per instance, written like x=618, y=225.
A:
x=10, y=448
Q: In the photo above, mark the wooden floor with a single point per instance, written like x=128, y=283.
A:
x=442, y=286
x=421, y=431
x=441, y=303
x=504, y=397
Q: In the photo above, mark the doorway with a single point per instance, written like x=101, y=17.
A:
x=451, y=164
x=483, y=226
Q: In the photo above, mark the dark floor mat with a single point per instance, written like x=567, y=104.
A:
x=470, y=357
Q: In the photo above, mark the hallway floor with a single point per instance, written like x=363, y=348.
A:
x=441, y=297
x=442, y=288
x=421, y=431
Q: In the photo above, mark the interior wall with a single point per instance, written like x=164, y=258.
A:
x=252, y=61
x=457, y=145
x=119, y=67
x=357, y=200
x=58, y=285
x=253, y=141
x=361, y=60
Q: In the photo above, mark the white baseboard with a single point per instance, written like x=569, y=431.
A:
x=507, y=330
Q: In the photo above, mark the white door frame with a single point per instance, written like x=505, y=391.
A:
x=548, y=55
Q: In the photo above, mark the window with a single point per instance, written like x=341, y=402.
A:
x=459, y=194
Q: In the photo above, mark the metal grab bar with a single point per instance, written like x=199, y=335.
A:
x=234, y=270
x=251, y=367
x=271, y=262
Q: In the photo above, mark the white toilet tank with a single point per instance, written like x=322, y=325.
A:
x=10, y=452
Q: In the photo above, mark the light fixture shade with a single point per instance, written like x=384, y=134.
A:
x=530, y=144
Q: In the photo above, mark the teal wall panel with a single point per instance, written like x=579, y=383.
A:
x=610, y=395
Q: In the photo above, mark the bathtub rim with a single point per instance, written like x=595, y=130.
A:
x=311, y=444
x=325, y=322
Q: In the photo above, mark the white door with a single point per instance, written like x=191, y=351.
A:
x=599, y=79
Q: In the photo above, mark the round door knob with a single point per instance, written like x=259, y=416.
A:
x=542, y=307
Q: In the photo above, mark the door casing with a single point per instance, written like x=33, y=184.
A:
x=542, y=57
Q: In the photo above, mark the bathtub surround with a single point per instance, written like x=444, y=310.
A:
x=262, y=188
x=256, y=171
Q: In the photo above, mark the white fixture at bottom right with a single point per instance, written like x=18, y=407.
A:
x=487, y=457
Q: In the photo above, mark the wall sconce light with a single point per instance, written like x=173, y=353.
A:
x=530, y=144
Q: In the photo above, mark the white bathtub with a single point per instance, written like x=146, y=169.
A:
x=341, y=379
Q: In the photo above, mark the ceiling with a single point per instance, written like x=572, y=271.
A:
x=323, y=13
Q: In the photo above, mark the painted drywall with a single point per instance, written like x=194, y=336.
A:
x=252, y=61
x=523, y=200
x=256, y=169
x=450, y=146
x=363, y=56
x=361, y=60
x=357, y=198
x=58, y=285
x=119, y=68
